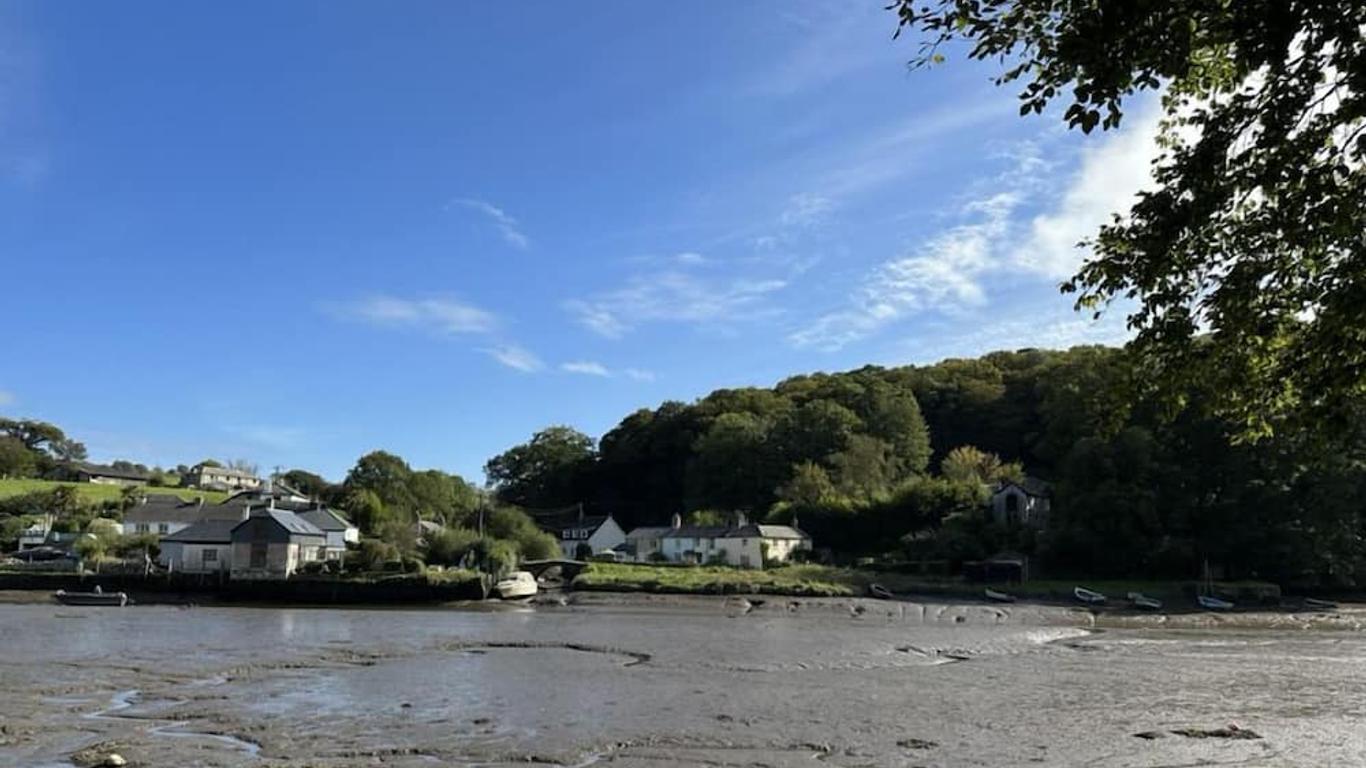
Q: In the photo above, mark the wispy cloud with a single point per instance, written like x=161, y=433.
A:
x=507, y=225
x=949, y=273
x=270, y=436
x=586, y=367
x=438, y=315
x=515, y=357
x=674, y=296
x=806, y=209
x=7, y=398
x=593, y=368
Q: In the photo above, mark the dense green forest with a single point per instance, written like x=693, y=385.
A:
x=895, y=461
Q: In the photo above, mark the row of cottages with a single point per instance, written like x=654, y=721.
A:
x=745, y=544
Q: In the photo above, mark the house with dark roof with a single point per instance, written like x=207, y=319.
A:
x=164, y=515
x=106, y=475
x=338, y=530
x=645, y=544
x=1024, y=503
x=204, y=547
x=745, y=544
x=582, y=535
x=273, y=544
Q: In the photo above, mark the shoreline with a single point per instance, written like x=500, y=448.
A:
x=918, y=608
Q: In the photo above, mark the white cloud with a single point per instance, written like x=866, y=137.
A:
x=438, y=315
x=515, y=357
x=506, y=224
x=1111, y=176
x=942, y=275
x=636, y=374
x=7, y=398
x=586, y=367
x=950, y=271
x=677, y=297
x=690, y=258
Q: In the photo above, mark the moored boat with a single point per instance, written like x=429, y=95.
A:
x=1212, y=603
x=518, y=585
x=880, y=592
x=1144, y=602
x=97, y=598
x=998, y=597
x=1088, y=596
x=1320, y=605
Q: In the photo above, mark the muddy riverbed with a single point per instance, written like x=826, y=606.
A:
x=641, y=682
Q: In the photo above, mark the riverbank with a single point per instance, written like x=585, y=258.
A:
x=827, y=581
x=180, y=588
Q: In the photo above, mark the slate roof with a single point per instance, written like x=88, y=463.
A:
x=558, y=524
x=1030, y=485
x=170, y=509
x=291, y=522
x=648, y=532
x=750, y=531
x=325, y=519
x=205, y=532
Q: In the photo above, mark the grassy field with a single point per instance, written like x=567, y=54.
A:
x=98, y=493
x=826, y=581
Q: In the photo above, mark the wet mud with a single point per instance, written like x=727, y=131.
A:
x=643, y=682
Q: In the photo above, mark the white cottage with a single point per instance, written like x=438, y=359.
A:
x=338, y=530
x=745, y=545
x=582, y=535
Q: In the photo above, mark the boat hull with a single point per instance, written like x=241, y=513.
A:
x=99, y=599
x=519, y=587
x=1088, y=597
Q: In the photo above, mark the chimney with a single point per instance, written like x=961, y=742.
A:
x=676, y=522
x=795, y=526
x=741, y=520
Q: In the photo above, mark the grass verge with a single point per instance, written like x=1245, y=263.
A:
x=97, y=493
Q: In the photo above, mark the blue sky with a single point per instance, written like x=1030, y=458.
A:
x=297, y=232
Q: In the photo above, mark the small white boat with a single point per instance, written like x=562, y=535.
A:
x=1320, y=605
x=1144, y=602
x=998, y=597
x=517, y=586
x=1212, y=603
x=1088, y=596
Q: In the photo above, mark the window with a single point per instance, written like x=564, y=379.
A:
x=163, y=528
x=258, y=555
x=210, y=555
x=143, y=528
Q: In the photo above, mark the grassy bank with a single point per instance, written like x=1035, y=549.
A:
x=97, y=493
x=827, y=581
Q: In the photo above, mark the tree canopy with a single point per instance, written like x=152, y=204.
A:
x=1247, y=261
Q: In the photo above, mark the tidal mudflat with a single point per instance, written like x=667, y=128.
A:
x=641, y=682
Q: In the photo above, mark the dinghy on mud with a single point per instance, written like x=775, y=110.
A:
x=998, y=597
x=1144, y=603
x=1212, y=603
x=96, y=598
x=880, y=592
x=519, y=585
x=1088, y=596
